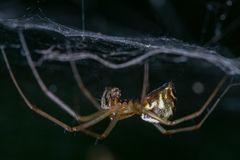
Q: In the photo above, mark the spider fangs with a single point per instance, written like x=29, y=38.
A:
x=160, y=102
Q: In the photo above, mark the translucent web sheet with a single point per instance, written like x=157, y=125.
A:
x=116, y=52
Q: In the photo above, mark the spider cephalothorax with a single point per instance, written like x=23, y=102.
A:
x=111, y=96
x=161, y=102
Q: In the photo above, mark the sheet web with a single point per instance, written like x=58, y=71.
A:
x=113, y=52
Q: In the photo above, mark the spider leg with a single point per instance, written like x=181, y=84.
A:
x=84, y=126
x=79, y=81
x=145, y=81
x=196, y=126
x=101, y=114
x=81, y=85
x=108, y=130
x=205, y=105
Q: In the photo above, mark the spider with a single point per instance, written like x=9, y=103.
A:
x=155, y=107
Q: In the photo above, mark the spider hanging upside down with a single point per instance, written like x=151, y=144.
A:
x=155, y=107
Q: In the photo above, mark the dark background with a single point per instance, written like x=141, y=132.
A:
x=25, y=135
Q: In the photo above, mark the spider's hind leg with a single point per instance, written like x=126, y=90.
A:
x=205, y=105
x=191, y=116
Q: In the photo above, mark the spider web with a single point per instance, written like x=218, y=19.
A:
x=115, y=52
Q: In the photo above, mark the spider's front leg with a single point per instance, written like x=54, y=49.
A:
x=91, y=119
x=79, y=81
x=82, y=127
x=44, y=88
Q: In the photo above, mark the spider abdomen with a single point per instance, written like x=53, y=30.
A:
x=161, y=102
